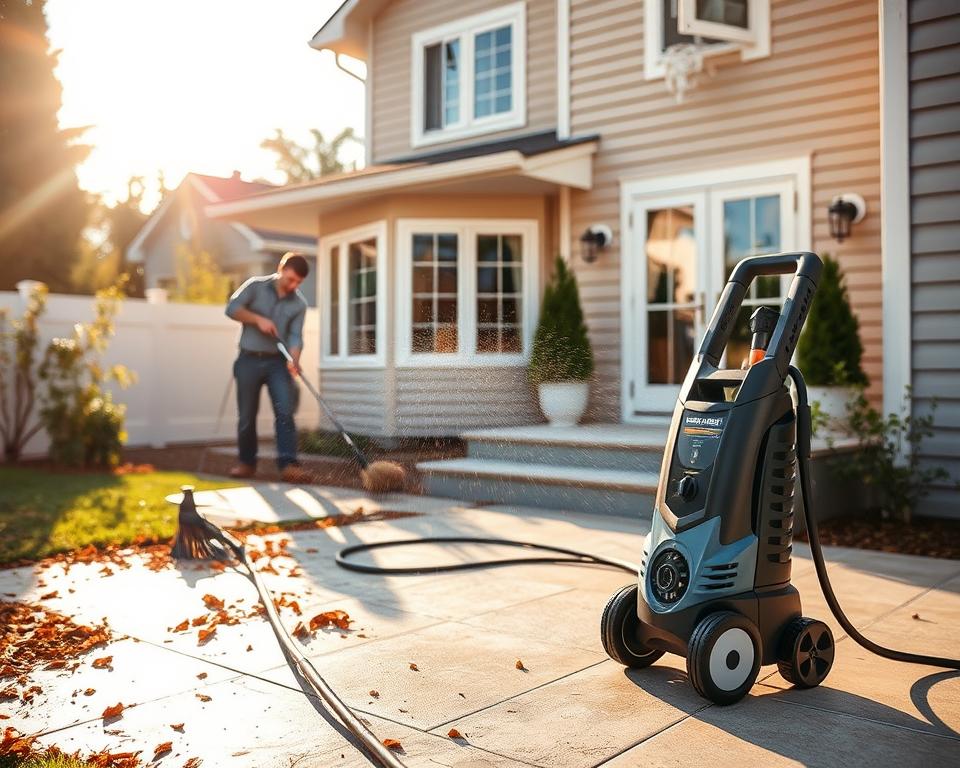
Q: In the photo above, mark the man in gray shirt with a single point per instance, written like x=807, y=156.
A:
x=271, y=309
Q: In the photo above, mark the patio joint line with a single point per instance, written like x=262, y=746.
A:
x=947, y=736
x=653, y=735
x=518, y=694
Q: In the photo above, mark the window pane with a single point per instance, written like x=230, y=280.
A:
x=670, y=34
x=499, y=281
x=334, y=341
x=362, y=318
x=670, y=345
x=671, y=250
x=423, y=247
x=434, y=310
x=732, y=12
x=736, y=232
x=451, y=83
x=493, y=72
x=432, y=84
x=767, y=217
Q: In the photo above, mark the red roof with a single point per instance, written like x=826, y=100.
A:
x=233, y=187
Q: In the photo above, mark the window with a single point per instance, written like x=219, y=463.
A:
x=467, y=291
x=469, y=76
x=718, y=25
x=351, y=276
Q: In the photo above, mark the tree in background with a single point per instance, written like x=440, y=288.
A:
x=199, y=279
x=306, y=164
x=103, y=249
x=42, y=209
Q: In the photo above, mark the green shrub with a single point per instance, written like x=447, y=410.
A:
x=561, y=346
x=18, y=377
x=85, y=426
x=829, y=351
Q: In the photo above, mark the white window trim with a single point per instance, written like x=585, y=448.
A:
x=466, y=231
x=653, y=68
x=796, y=168
x=466, y=30
x=339, y=241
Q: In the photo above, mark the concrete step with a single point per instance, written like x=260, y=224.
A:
x=599, y=446
x=576, y=488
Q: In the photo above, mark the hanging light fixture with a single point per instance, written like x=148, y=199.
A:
x=845, y=210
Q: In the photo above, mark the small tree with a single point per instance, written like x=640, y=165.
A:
x=84, y=424
x=561, y=346
x=829, y=351
x=18, y=383
x=199, y=278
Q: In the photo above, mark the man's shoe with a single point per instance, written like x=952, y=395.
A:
x=243, y=471
x=294, y=473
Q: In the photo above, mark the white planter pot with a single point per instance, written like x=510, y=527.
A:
x=833, y=404
x=563, y=403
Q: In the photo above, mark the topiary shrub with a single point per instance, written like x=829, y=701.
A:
x=829, y=351
x=561, y=346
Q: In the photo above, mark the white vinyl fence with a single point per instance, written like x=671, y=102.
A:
x=183, y=357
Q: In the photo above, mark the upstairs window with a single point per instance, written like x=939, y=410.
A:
x=469, y=76
x=717, y=26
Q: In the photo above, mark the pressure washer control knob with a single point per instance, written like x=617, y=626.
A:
x=687, y=488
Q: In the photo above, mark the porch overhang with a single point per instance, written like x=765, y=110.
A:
x=296, y=209
x=347, y=31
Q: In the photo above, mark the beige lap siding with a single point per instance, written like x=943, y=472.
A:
x=357, y=398
x=817, y=95
x=393, y=29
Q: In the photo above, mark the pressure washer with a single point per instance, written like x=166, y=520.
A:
x=713, y=584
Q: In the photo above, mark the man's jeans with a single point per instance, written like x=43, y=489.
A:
x=252, y=371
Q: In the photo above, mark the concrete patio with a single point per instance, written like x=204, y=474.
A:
x=464, y=632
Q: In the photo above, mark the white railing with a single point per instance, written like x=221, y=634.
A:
x=183, y=356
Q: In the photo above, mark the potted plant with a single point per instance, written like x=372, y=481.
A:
x=829, y=351
x=562, y=360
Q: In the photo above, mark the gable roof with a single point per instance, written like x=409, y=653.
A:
x=216, y=189
x=346, y=30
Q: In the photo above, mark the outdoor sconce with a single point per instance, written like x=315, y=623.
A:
x=845, y=210
x=595, y=238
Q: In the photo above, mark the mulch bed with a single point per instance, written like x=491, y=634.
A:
x=926, y=536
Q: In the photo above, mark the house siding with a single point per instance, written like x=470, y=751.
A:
x=934, y=50
x=358, y=397
x=817, y=94
x=393, y=29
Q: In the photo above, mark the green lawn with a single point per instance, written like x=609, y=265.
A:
x=45, y=512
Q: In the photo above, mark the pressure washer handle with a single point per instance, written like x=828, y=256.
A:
x=806, y=268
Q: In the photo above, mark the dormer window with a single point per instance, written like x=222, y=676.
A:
x=469, y=76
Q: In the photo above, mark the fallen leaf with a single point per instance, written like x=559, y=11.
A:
x=199, y=621
x=338, y=619
x=183, y=626
x=115, y=711
x=193, y=762
x=162, y=749
x=392, y=744
x=202, y=676
x=249, y=648
x=300, y=631
x=89, y=691
x=49, y=595
x=205, y=634
x=519, y=665
x=103, y=662
x=177, y=727
x=294, y=606
x=916, y=616
x=375, y=694
x=453, y=733
x=213, y=603
x=414, y=667
x=461, y=696
x=203, y=697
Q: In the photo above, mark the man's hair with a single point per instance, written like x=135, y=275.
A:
x=296, y=262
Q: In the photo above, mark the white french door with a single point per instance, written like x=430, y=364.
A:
x=684, y=237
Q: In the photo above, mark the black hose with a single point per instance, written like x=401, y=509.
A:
x=804, y=431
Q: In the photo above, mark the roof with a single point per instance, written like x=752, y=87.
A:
x=346, y=29
x=216, y=189
x=531, y=165
x=528, y=145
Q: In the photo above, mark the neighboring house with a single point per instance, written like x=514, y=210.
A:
x=499, y=132
x=240, y=251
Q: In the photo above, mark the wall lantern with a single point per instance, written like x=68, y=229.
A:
x=845, y=210
x=593, y=240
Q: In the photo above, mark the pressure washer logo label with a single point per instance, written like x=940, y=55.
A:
x=699, y=438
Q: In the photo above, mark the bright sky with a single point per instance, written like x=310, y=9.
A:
x=195, y=85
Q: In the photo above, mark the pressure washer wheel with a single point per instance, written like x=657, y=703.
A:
x=723, y=656
x=618, y=631
x=806, y=652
